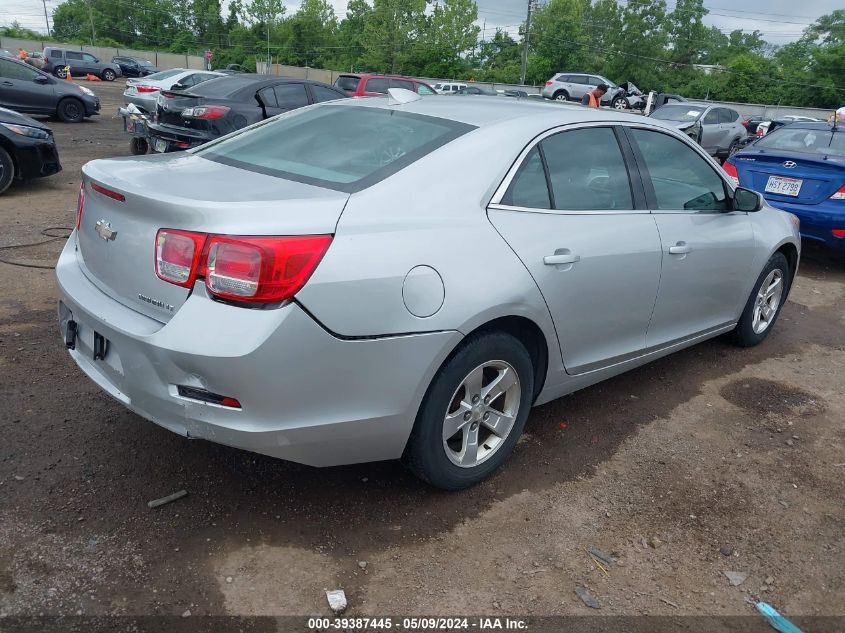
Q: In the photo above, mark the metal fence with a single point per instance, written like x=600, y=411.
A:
x=164, y=61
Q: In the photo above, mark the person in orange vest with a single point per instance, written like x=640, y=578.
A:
x=22, y=54
x=593, y=97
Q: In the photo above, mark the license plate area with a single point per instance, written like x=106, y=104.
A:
x=159, y=145
x=783, y=186
x=96, y=347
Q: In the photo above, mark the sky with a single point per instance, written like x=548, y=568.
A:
x=781, y=21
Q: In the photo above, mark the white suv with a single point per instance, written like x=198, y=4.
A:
x=446, y=88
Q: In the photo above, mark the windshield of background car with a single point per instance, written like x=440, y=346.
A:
x=677, y=113
x=337, y=147
x=791, y=139
x=145, y=63
x=164, y=74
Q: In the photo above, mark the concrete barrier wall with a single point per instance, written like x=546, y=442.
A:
x=164, y=61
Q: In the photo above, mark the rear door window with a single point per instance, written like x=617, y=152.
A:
x=378, y=84
x=726, y=115
x=73, y=55
x=407, y=85
x=268, y=97
x=587, y=171
x=529, y=188
x=12, y=70
x=424, y=90
x=711, y=117
x=290, y=96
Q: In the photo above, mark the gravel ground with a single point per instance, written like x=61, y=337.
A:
x=713, y=460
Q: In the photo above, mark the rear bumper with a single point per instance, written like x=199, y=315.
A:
x=306, y=395
x=818, y=220
x=179, y=138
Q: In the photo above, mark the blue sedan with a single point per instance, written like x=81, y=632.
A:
x=800, y=168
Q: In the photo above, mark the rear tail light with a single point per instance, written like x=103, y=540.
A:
x=236, y=268
x=177, y=256
x=839, y=195
x=108, y=193
x=730, y=170
x=205, y=112
x=549, y=83
x=80, y=203
x=838, y=232
x=147, y=89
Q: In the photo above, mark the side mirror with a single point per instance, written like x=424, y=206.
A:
x=747, y=200
x=41, y=79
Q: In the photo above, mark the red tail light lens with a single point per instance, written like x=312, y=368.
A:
x=80, y=203
x=147, y=89
x=108, y=193
x=549, y=83
x=262, y=269
x=838, y=232
x=839, y=195
x=730, y=170
x=249, y=269
x=178, y=255
x=205, y=112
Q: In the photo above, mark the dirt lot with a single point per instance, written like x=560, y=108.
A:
x=715, y=448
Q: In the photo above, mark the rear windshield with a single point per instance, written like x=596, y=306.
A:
x=677, y=113
x=792, y=139
x=345, y=82
x=164, y=74
x=337, y=147
x=224, y=86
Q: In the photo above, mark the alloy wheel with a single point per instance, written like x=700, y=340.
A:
x=767, y=303
x=481, y=413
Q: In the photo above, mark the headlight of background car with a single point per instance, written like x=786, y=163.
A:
x=87, y=91
x=25, y=130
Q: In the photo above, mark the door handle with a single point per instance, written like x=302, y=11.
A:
x=562, y=258
x=681, y=248
x=8, y=83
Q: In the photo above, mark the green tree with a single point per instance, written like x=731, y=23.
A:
x=350, y=35
x=389, y=31
x=644, y=32
x=444, y=40
x=558, y=40
x=687, y=31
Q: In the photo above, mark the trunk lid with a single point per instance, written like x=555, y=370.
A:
x=820, y=177
x=169, y=107
x=183, y=191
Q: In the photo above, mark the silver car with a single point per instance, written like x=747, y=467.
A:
x=718, y=129
x=573, y=86
x=283, y=291
x=144, y=91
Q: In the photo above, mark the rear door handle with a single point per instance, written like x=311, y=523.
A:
x=8, y=83
x=563, y=258
x=681, y=248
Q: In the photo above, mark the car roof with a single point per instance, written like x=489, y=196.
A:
x=487, y=111
x=812, y=125
x=375, y=75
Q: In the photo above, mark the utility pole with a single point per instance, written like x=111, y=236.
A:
x=525, y=44
x=91, y=17
x=46, y=19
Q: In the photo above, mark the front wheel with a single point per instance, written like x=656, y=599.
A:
x=763, y=306
x=473, y=413
x=109, y=74
x=71, y=110
x=7, y=170
x=620, y=103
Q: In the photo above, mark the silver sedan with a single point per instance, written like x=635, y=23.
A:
x=289, y=290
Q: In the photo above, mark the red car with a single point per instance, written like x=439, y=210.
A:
x=377, y=85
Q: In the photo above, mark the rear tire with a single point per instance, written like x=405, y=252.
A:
x=138, y=146
x=620, y=103
x=561, y=95
x=482, y=431
x=60, y=72
x=70, y=110
x=763, y=306
x=7, y=170
x=108, y=75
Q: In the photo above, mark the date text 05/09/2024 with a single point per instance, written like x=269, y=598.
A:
x=476, y=623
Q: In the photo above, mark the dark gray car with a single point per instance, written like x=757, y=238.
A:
x=27, y=89
x=80, y=62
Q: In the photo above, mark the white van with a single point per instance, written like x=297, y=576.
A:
x=445, y=88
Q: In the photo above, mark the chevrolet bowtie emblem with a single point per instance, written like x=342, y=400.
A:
x=104, y=230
